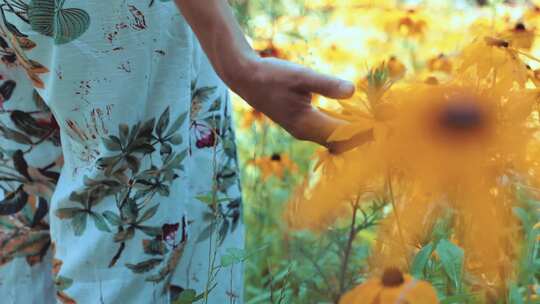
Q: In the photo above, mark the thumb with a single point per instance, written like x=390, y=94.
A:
x=325, y=85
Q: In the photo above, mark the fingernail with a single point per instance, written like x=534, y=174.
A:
x=346, y=87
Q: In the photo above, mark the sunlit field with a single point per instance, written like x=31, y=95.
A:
x=438, y=200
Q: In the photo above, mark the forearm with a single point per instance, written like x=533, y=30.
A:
x=280, y=89
x=220, y=37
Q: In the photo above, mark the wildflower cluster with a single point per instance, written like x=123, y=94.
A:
x=440, y=178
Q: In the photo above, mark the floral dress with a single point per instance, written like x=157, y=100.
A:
x=117, y=161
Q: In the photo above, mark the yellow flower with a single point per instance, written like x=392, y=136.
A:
x=396, y=69
x=409, y=24
x=457, y=145
x=393, y=287
x=275, y=165
x=440, y=63
x=520, y=36
x=251, y=116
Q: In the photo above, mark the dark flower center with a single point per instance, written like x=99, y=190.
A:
x=461, y=116
x=392, y=277
x=519, y=27
x=276, y=157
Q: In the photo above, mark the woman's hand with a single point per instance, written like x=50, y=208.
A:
x=283, y=91
x=277, y=88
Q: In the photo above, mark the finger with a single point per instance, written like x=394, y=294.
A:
x=347, y=145
x=317, y=126
x=332, y=87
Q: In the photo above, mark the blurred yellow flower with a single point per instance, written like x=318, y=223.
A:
x=275, y=165
x=454, y=144
x=393, y=287
x=440, y=63
x=251, y=117
x=520, y=36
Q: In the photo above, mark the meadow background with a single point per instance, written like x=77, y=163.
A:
x=347, y=38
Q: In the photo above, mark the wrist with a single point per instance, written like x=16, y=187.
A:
x=240, y=71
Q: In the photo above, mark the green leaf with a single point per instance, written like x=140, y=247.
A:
x=146, y=129
x=150, y=231
x=144, y=266
x=523, y=216
x=188, y=296
x=112, y=218
x=148, y=214
x=176, y=139
x=79, y=223
x=68, y=213
x=163, y=122
x=133, y=163
x=514, y=295
x=62, y=283
x=177, y=124
x=123, y=132
x=209, y=199
x=233, y=256
x=420, y=260
x=451, y=257
x=216, y=105
x=130, y=210
x=154, y=247
x=124, y=235
x=112, y=143
x=64, y=25
x=223, y=230
x=165, y=149
x=206, y=233
x=176, y=162
x=100, y=222
x=461, y=298
x=70, y=24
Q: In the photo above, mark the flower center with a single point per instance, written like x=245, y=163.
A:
x=276, y=157
x=392, y=277
x=519, y=27
x=461, y=116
